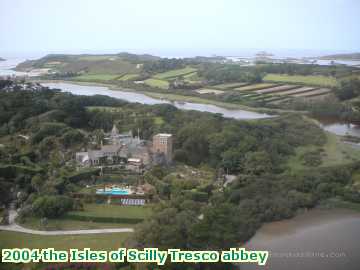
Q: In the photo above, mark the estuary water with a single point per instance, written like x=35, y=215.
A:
x=144, y=99
x=318, y=240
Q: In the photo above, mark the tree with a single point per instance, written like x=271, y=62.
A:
x=37, y=182
x=72, y=137
x=257, y=163
x=52, y=206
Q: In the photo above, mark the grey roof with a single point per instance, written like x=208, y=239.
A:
x=95, y=154
x=110, y=148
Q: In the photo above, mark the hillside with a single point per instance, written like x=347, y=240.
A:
x=344, y=56
x=92, y=64
x=2, y=59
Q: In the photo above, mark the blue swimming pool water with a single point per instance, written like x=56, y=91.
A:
x=114, y=191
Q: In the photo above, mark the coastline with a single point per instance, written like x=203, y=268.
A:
x=176, y=97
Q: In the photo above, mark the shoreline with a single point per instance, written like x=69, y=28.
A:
x=176, y=97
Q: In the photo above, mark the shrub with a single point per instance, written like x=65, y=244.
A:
x=52, y=206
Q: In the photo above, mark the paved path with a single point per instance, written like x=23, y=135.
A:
x=17, y=228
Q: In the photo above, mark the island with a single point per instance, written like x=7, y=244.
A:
x=2, y=59
x=343, y=56
x=261, y=86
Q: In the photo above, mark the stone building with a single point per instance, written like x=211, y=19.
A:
x=163, y=144
x=125, y=148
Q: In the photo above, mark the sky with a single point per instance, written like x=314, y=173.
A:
x=178, y=27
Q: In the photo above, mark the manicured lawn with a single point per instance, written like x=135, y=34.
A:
x=309, y=80
x=174, y=73
x=107, y=241
x=67, y=224
x=116, y=211
x=128, y=77
x=157, y=83
x=335, y=153
x=96, y=77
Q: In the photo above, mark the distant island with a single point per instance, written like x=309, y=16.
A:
x=343, y=56
x=120, y=63
x=2, y=59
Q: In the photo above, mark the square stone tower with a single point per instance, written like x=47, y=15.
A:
x=163, y=143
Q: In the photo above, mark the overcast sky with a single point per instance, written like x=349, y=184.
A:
x=175, y=26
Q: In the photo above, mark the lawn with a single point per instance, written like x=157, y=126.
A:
x=308, y=80
x=335, y=153
x=67, y=224
x=96, y=77
x=116, y=211
x=157, y=83
x=107, y=241
x=174, y=73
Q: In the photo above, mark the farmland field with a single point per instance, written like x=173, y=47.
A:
x=310, y=80
x=296, y=91
x=96, y=77
x=276, y=89
x=175, y=73
x=313, y=93
x=128, y=77
x=98, y=57
x=226, y=86
x=256, y=86
x=210, y=91
x=157, y=83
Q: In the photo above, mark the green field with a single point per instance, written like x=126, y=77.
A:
x=97, y=57
x=194, y=99
x=256, y=86
x=227, y=86
x=192, y=78
x=116, y=211
x=159, y=121
x=157, y=83
x=174, y=73
x=67, y=224
x=107, y=241
x=307, y=80
x=96, y=77
x=335, y=153
x=128, y=77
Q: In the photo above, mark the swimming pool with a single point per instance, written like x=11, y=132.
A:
x=113, y=191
